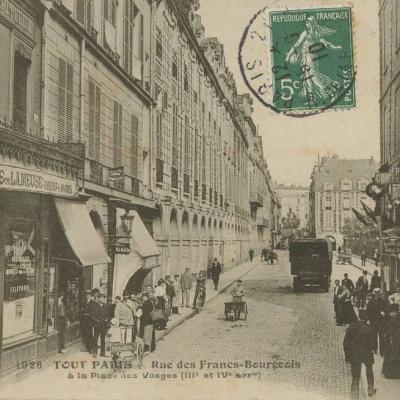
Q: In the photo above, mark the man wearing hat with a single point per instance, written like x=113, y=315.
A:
x=125, y=311
x=186, y=286
x=99, y=317
x=362, y=286
x=359, y=347
x=86, y=323
x=376, y=308
x=375, y=281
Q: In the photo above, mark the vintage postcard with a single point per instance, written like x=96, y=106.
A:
x=199, y=199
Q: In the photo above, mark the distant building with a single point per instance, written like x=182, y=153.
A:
x=294, y=199
x=337, y=185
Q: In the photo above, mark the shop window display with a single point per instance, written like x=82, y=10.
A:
x=20, y=270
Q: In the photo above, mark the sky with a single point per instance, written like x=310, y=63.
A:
x=292, y=145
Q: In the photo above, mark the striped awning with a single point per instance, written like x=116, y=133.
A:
x=80, y=232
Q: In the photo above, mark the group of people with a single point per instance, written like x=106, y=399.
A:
x=377, y=327
x=137, y=316
x=269, y=255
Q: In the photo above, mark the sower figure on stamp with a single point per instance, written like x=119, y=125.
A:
x=359, y=347
x=314, y=82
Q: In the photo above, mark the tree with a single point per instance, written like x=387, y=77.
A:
x=353, y=228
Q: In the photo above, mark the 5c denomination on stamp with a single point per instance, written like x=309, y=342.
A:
x=300, y=62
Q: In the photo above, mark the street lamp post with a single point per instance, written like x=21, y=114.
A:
x=119, y=244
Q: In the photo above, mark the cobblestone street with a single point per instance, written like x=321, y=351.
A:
x=297, y=330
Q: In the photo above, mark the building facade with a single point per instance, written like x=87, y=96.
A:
x=211, y=183
x=337, y=186
x=389, y=19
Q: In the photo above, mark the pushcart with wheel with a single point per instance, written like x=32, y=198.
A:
x=235, y=310
x=127, y=352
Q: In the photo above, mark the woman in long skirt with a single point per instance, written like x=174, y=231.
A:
x=346, y=306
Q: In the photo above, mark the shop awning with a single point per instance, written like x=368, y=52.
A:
x=144, y=254
x=142, y=241
x=80, y=232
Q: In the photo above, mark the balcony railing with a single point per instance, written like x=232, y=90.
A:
x=174, y=178
x=256, y=199
x=96, y=172
x=135, y=186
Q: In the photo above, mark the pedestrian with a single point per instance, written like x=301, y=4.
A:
x=147, y=324
x=177, y=289
x=339, y=249
x=186, y=287
x=375, y=281
x=200, y=291
x=125, y=313
x=113, y=306
x=359, y=348
x=363, y=258
x=62, y=323
x=161, y=294
x=348, y=283
x=170, y=293
x=346, y=306
x=264, y=253
x=98, y=315
x=337, y=290
x=215, y=272
x=86, y=323
x=376, y=257
x=391, y=343
x=376, y=311
x=395, y=297
x=251, y=255
x=362, y=286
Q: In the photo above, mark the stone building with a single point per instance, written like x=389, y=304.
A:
x=389, y=20
x=337, y=186
x=211, y=183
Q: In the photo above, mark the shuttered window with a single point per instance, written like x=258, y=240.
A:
x=84, y=12
x=196, y=154
x=130, y=13
x=94, y=120
x=65, y=100
x=134, y=145
x=117, y=135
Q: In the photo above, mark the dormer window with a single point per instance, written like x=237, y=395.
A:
x=328, y=186
x=346, y=185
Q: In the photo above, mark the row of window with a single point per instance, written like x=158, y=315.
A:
x=65, y=121
x=346, y=185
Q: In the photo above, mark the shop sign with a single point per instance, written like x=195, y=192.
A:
x=27, y=180
x=116, y=174
x=122, y=248
x=17, y=16
x=391, y=245
x=383, y=178
x=395, y=172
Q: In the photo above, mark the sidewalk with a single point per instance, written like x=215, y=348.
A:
x=226, y=279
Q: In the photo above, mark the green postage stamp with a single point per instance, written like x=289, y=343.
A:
x=312, y=59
